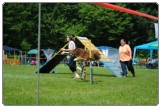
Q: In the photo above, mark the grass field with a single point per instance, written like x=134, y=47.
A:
x=19, y=87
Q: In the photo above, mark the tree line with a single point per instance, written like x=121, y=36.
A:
x=103, y=26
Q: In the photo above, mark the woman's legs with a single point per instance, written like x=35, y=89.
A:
x=73, y=67
x=124, y=70
x=130, y=67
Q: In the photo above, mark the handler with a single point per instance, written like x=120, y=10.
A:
x=72, y=63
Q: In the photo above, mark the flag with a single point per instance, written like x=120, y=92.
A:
x=156, y=30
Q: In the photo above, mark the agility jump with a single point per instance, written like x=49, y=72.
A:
x=84, y=43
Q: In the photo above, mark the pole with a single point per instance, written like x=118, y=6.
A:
x=84, y=66
x=84, y=70
x=91, y=73
x=151, y=54
x=91, y=70
x=6, y=59
x=3, y=57
x=122, y=9
x=14, y=59
x=90, y=49
x=38, y=64
x=25, y=57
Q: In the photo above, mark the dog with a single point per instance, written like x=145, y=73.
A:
x=82, y=54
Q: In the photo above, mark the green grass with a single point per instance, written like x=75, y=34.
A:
x=19, y=87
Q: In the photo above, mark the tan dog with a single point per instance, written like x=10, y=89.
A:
x=82, y=54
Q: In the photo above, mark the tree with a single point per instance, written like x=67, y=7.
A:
x=19, y=23
x=103, y=26
x=25, y=46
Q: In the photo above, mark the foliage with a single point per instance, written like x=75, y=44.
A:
x=143, y=54
x=103, y=26
x=25, y=45
x=146, y=54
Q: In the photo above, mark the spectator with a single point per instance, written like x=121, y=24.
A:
x=151, y=63
x=33, y=62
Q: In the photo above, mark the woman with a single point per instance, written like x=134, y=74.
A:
x=125, y=56
x=72, y=63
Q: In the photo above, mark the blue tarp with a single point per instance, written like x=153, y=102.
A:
x=104, y=47
x=113, y=63
x=111, y=53
x=107, y=50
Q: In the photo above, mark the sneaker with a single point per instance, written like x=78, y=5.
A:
x=76, y=77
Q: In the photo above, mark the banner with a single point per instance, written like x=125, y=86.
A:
x=156, y=30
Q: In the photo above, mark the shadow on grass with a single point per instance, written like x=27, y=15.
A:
x=101, y=75
x=96, y=82
x=81, y=80
x=104, y=75
x=88, y=81
x=62, y=73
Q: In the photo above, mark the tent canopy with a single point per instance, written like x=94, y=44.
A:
x=45, y=55
x=33, y=51
x=7, y=48
x=148, y=46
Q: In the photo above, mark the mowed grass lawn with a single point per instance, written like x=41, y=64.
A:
x=19, y=87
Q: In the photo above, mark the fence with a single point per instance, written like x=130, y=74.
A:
x=20, y=58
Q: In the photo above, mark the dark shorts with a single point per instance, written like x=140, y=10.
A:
x=72, y=63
